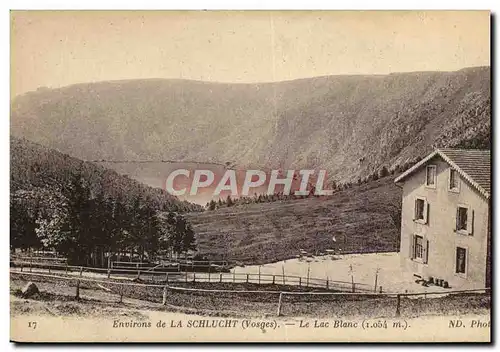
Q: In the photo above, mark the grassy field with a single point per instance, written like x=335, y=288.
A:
x=359, y=218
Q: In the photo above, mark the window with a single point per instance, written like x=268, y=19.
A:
x=421, y=210
x=430, y=176
x=419, y=247
x=462, y=218
x=461, y=261
x=454, y=179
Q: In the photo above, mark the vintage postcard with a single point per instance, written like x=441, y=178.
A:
x=249, y=176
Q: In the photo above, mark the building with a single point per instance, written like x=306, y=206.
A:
x=445, y=220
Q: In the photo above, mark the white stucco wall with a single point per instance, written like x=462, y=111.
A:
x=439, y=230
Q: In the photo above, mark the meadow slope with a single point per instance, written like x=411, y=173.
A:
x=361, y=219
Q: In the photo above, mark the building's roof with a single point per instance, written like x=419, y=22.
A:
x=473, y=165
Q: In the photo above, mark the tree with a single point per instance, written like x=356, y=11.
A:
x=312, y=191
x=177, y=235
x=76, y=240
x=394, y=212
x=383, y=172
x=52, y=221
x=212, y=205
x=185, y=233
x=152, y=229
x=120, y=235
x=24, y=211
x=144, y=230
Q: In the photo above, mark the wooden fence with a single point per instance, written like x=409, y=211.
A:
x=159, y=275
x=290, y=303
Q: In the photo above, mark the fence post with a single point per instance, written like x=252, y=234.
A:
x=380, y=289
x=194, y=277
x=31, y=263
x=279, y=303
x=308, y=272
x=164, y=301
x=81, y=271
x=353, y=287
x=21, y=266
x=273, y=279
x=66, y=266
x=109, y=273
x=234, y=277
x=186, y=276
x=300, y=281
x=77, y=294
x=49, y=268
x=398, y=306
x=327, y=283
x=220, y=277
x=247, y=278
x=138, y=274
x=121, y=294
x=167, y=277
x=376, y=278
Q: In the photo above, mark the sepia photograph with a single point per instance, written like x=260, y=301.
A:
x=250, y=176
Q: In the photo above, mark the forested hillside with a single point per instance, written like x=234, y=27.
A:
x=84, y=210
x=33, y=165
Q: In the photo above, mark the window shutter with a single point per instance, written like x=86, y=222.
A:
x=415, y=210
x=425, y=255
x=470, y=221
x=466, y=261
x=412, y=246
x=426, y=212
x=456, y=219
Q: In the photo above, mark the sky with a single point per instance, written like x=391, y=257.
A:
x=59, y=48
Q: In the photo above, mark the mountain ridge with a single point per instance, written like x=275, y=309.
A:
x=349, y=125
x=129, y=80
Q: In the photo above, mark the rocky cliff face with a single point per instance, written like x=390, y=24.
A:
x=349, y=125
